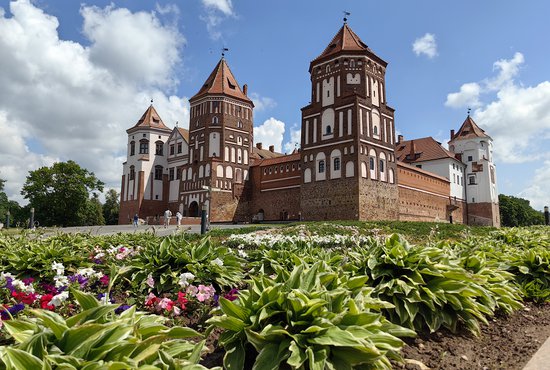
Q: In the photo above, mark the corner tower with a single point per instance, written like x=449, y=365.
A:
x=220, y=144
x=348, y=131
x=475, y=149
x=144, y=188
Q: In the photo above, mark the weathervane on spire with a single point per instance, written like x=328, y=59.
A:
x=469, y=110
x=223, y=51
x=151, y=101
x=346, y=14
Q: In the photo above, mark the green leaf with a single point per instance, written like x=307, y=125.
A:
x=17, y=359
x=85, y=300
x=337, y=337
x=232, y=309
x=53, y=321
x=20, y=330
x=297, y=357
x=234, y=356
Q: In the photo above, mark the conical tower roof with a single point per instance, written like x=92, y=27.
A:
x=469, y=130
x=150, y=119
x=221, y=81
x=346, y=41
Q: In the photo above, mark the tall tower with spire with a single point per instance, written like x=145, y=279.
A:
x=145, y=183
x=475, y=149
x=220, y=144
x=348, y=131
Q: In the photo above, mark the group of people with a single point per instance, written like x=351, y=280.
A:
x=167, y=217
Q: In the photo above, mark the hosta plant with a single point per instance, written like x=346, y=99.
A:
x=532, y=270
x=312, y=318
x=161, y=266
x=428, y=289
x=97, y=338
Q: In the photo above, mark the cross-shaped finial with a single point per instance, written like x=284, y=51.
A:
x=469, y=110
x=223, y=51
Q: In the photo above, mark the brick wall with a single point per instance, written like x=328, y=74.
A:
x=483, y=214
x=378, y=200
x=335, y=199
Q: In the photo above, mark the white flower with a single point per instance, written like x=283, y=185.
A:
x=61, y=281
x=58, y=299
x=242, y=253
x=104, y=300
x=19, y=285
x=185, y=278
x=59, y=268
x=86, y=272
x=218, y=262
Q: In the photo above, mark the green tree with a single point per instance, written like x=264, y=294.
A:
x=518, y=212
x=92, y=213
x=9, y=205
x=111, y=207
x=60, y=194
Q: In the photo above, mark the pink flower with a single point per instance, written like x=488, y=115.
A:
x=166, y=304
x=191, y=290
x=104, y=280
x=205, y=292
x=150, y=281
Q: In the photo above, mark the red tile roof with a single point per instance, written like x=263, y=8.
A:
x=277, y=160
x=348, y=41
x=221, y=81
x=469, y=130
x=184, y=133
x=424, y=149
x=264, y=154
x=149, y=119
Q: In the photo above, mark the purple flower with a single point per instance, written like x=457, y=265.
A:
x=13, y=310
x=49, y=288
x=83, y=281
x=28, y=281
x=120, y=309
x=9, y=284
x=232, y=294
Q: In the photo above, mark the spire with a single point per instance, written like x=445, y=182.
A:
x=469, y=130
x=221, y=81
x=150, y=119
x=347, y=41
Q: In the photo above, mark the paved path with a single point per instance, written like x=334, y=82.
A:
x=157, y=229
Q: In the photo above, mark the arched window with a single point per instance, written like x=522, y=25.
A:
x=327, y=69
x=159, y=145
x=372, y=164
x=328, y=130
x=352, y=63
x=363, y=169
x=382, y=167
x=239, y=140
x=144, y=146
x=336, y=164
x=350, y=169
x=132, y=147
x=132, y=173
x=307, y=175
x=215, y=120
x=321, y=166
x=158, y=172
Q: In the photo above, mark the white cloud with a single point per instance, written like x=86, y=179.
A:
x=223, y=6
x=537, y=192
x=216, y=12
x=262, y=103
x=425, y=45
x=468, y=96
x=295, y=139
x=68, y=101
x=270, y=133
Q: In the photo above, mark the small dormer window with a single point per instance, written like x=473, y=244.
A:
x=352, y=63
x=327, y=69
x=231, y=86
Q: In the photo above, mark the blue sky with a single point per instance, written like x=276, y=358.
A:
x=76, y=75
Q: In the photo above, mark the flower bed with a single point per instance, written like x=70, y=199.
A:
x=308, y=300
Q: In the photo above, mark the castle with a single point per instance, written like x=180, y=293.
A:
x=350, y=165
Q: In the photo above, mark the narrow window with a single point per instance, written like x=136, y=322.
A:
x=171, y=174
x=337, y=164
x=321, y=166
x=158, y=172
x=143, y=147
x=159, y=145
x=132, y=148
x=132, y=173
x=179, y=148
x=172, y=149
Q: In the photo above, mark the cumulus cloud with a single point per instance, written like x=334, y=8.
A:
x=468, y=96
x=262, y=103
x=425, y=45
x=537, y=191
x=215, y=12
x=270, y=133
x=295, y=139
x=70, y=101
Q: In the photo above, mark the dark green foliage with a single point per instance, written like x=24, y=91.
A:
x=518, y=212
x=111, y=207
x=60, y=194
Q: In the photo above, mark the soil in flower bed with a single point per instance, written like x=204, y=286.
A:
x=508, y=342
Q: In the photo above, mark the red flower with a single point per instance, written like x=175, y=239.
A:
x=45, y=302
x=26, y=298
x=182, y=300
x=151, y=299
x=104, y=280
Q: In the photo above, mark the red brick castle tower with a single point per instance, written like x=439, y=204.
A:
x=220, y=144
x=348, y=131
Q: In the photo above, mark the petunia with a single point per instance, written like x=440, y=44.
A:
x=150, y=281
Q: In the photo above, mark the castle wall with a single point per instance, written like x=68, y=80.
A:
x=341, y=204
x=483, y=214
x=378, y=200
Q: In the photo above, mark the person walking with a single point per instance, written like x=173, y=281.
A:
x=167, y=215
x=136, y=220
x=178, y=218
